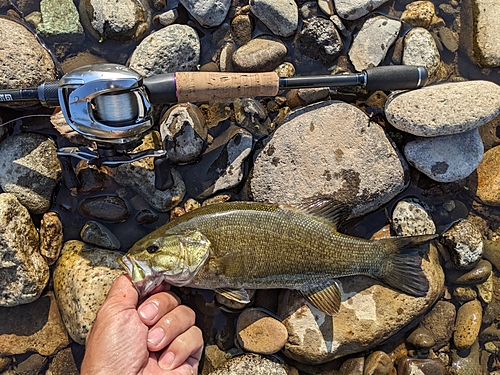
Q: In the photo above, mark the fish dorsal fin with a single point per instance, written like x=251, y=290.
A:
x=326, y=208
x=234, y=294
x=325, y=297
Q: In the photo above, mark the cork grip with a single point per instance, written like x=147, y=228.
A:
x=209, y=86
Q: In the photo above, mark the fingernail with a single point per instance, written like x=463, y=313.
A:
x=167, y=360
x=148, y=311
x=155, y=336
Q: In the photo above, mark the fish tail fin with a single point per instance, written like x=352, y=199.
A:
x=402, y=268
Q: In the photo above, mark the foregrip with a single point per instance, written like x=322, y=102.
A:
x=208, y=86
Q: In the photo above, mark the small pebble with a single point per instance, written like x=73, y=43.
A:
x=191, y=204
x=352, y=366
x=465, y=362
x=105, y=208
x=51, y=237
x=419, y=14
x=464, y=243
x=464, y=294
x=421, y=338
x=146, y=216
x=479, y=274
x=441, y=322
x=95, y=233
x=378, y=362
x=412, y=366
x=411, y=217
x=468, y=323
x=486, y=289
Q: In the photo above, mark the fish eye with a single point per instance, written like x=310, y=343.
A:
x=151, y=249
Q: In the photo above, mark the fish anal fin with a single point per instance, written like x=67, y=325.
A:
x=326, y=208
x=237, y=294
x=325, y=297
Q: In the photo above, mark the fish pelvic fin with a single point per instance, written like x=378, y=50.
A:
x=325, y=297
x=402, y=268
x=238, y=295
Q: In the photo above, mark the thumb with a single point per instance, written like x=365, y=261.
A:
x=123, y=293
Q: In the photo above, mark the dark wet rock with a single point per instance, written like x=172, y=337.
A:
x=488, y=177
x=440, y=321
x=421, y=338
x=374, y=313
x=92, y=177
x=444, y=109
x=464, y=293
x=208, y=13
x=467, y=325
x=464, y=243
x=378, y=362
x=183, y=133
x=25, y=63
x=51, y=237
x=30, y=169
x=63, y=363
x=464, y=152
x=241, y=29
x=146, y=216
x=174, y=48
x=259, y=55
x=24, y=271
x=106, y=20
x=221, y=166
x=60, y=21
x=352, y=160
x=352, y=366
x=33, y=364
x=372, y=42
x=140, y=176
x=465, y=362
x=413, y=366
x=479, y=274
x=34, y=327
x=280, y=16
x=254, y=363
x=485, y=22
x=419, y=14
x=82, y=278
x=94, y=233
x=320, y=40
x=411, y=217
x=420, y=49
x=257, y=332
x=111, y=209
x=354, y=9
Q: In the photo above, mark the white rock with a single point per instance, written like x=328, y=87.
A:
x=420, y=49
x=354, y=9
x=280, y=16
x=208, y=13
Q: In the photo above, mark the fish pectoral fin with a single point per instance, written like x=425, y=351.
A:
x=325, y=297
x=238, y=295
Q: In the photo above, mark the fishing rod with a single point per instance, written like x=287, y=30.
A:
x=111, y=104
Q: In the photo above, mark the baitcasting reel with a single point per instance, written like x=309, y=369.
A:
x=110, y=104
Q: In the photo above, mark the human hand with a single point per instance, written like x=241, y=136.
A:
x=158, y=337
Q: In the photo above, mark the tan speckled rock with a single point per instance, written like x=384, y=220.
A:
x=369, y=314
x=82, y=278
x=488, y=177
x=468, y=323
x=51, y=237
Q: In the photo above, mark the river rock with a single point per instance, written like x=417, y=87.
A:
x=63, y=363
x=413, y=366
x=411, y=217
x=82, y=278
x=440, y=321
x=464, y=242
x=257, y=332
x=369, y=314
x=419, y=14
x=354, y=9
x=24, y=271
x=352, y=366
x=174, y=48
x=370, y=45
x=140, y=175
x=25, y=63
x=208, y=13
x=169, y=17
x=420, y=49
x=30, y=169
x=488, y=177
x=479, y=274
x=108, y=20
x=446, y=158
x=378, y=362
x=241, y=28
x=254, y=363
x=485, y=18
x=60, y=21
x=107, y=208
x=320, y=40
x=94, y=233
x=464, y=293
x=349, y=158
x=259, y=55
x=35, y=327
x=421, y=338
x=280, y=16
x=444, y=109
x=183, y=133
x=465, y=362
x=51, y=237
x=467, y=324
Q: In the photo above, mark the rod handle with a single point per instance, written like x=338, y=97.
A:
x=395, y=77
x=208, y=86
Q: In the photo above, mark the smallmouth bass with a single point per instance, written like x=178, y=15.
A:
x=233, y=246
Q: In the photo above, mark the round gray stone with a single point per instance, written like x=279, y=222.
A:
x=208, y=13
x=420, y=49
x=280, y=16
x=354, y=9
x=259, y=55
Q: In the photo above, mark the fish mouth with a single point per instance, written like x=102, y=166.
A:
x=141, y=275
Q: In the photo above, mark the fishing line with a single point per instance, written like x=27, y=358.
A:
x=23, y=117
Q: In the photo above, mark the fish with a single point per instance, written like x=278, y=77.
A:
x=233, y=246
